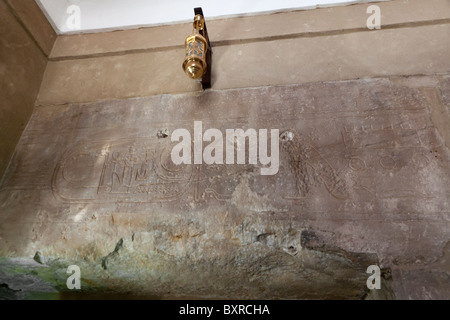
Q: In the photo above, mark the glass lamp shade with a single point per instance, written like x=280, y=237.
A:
x=194, y=63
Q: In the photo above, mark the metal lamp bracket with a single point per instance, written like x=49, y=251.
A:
x=206, y=79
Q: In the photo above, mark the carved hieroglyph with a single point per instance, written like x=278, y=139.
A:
x=363, y=162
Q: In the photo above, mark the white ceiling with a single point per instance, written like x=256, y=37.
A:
x=104, y=15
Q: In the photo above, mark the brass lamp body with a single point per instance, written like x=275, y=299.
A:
x=196, y=46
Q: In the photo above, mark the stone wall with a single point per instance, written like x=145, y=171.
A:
x=276, y=49
x=94, y=185
x=363, y=177
x=22, y=63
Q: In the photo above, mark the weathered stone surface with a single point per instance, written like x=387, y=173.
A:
x=363, y=179
x=22, y=66
x=294, y=60
x=26, y=279
x=248, y=28
x=36, y=23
